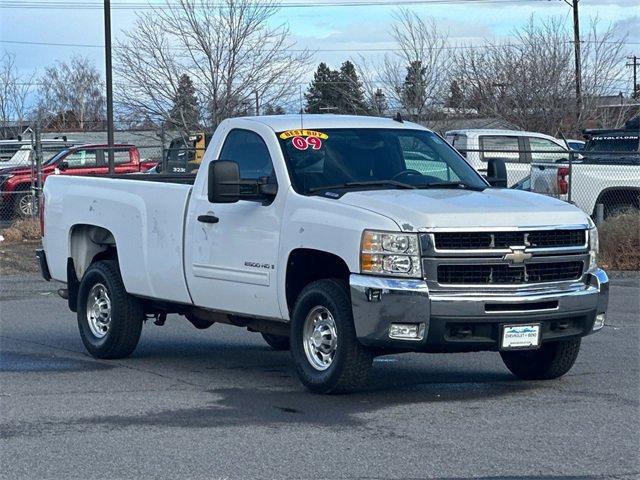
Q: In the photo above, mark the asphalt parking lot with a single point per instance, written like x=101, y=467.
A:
x=219, y=404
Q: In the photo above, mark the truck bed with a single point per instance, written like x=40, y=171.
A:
x=145, y=214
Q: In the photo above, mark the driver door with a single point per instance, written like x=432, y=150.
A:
x=232, y=264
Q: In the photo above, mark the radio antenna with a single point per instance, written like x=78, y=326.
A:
x=301, y=109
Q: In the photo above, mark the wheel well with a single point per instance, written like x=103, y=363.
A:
x=619, y=196
x=88, y=244
x=307, y=265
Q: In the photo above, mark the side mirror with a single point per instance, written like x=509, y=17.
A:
x=223, y=184
x=62, y=166
x=497, y=173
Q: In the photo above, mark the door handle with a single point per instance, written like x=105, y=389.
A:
x=208, y=219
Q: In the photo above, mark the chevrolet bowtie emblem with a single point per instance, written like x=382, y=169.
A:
x=517, y=257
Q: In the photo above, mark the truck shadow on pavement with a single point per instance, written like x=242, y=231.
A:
x=288, y=403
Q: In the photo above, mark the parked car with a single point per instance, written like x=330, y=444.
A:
x=16, y=193
x=516, y=148
x=349, y=238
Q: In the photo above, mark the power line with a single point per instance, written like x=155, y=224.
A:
x=68, y=5
x=365, y=49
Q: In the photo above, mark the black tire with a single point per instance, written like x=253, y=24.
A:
x=277, y=342
x=349, y=369
x=24, y=204
x=551, y=360
x=127, y=314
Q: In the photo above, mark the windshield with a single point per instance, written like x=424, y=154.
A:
x=373, y=158
x=613, y=143
x=55, y=157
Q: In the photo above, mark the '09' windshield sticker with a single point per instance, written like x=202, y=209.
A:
x=303, y=133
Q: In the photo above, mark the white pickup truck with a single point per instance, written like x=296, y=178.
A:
x=341, y=238
x=606, y=172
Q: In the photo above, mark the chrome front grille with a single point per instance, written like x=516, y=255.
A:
x=499, y=240
x=501, y=274
x=504, y=259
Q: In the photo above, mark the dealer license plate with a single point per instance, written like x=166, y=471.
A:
x=522, y=337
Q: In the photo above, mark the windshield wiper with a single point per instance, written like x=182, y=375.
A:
x=370, y=183
x=461, y=185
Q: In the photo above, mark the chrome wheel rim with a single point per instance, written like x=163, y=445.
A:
x=320, y=338
x=25, y=204
x=99, y=310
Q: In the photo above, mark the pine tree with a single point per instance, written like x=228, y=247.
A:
x=413, y=92
x=185, y=112
x=456, y=95
x=379, y=103
x=351, y=97
x=321, y=95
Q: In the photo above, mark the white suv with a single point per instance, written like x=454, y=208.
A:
x=516, y=148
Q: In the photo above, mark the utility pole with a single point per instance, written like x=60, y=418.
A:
x=634, y=64
x=109, y=79
x=257, y=103
x=576, y=54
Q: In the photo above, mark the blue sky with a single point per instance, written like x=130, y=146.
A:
x=317, y=28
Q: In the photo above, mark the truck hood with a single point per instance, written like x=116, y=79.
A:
x=444, y=208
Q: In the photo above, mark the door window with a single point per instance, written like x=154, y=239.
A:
x=120, y=156
x=539, y=148
x=423, y=158
x=82, y=159
x=249, y=151
x=501, y=147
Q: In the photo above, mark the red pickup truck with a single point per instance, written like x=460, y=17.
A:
x=16, y=195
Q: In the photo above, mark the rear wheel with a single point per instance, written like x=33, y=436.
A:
x=324, y=346
x=24, y=205
x=551, y=360
x=277, y=342
x=109, y=319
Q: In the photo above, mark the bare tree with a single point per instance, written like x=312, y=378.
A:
x=230, y=49
x=15, y=90
x=71, y=95
x=530, y=81
x=416, y=77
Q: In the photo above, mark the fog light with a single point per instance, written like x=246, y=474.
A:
x=407, y=331
x=599, y=322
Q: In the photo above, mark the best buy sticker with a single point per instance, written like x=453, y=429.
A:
x=303, y=133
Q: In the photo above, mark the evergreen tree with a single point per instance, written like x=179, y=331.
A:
x=185, y=112
x=351, y=97
x=379, y=103
x=322, y=95
x=413, y=91
x=456, y=96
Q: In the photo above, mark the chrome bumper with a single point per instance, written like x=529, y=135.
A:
x=378, y=302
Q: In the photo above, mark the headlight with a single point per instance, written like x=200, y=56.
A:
x=594, y=247
x=396, y=254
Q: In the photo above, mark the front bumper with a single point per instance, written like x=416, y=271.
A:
x=469, y=321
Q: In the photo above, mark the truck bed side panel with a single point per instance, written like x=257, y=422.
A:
x=145, y=218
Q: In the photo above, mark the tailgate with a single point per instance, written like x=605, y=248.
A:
x=545, y=179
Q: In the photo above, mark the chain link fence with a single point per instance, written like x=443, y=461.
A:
x=600, y=183
x=25, y=164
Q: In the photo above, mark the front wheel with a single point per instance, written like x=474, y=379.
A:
x=109, y=319
x=324, y=346
x=551, y=360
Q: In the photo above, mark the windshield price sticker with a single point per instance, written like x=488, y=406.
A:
x=303, y=133
x=302, y=143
